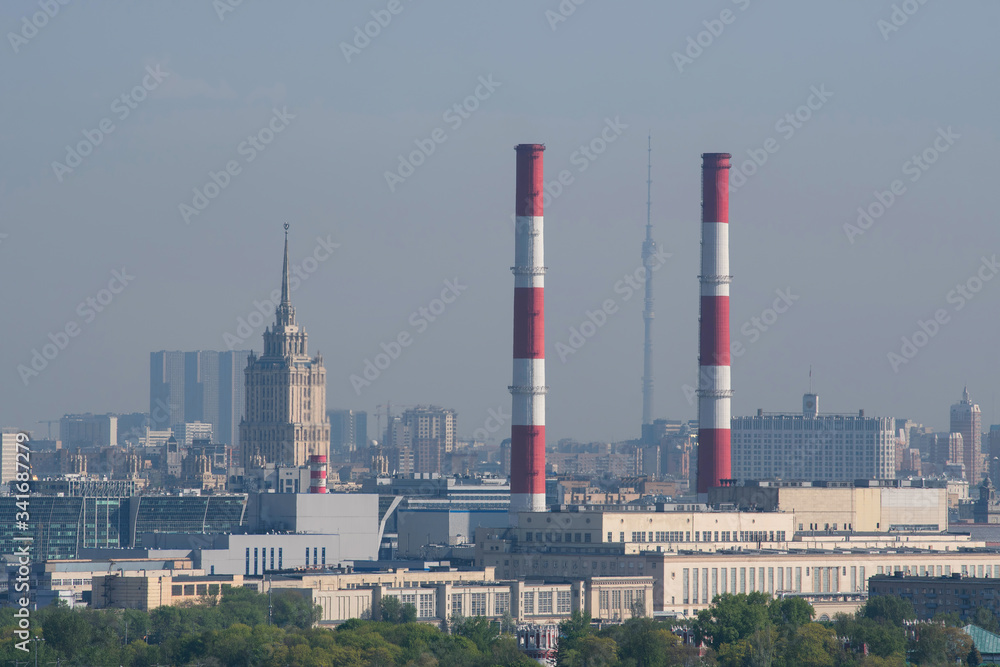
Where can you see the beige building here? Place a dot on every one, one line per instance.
(440, 596)
(149, 591)
(285, 421)
(881, 507)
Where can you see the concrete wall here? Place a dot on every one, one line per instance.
(342, 513)
(418, 528)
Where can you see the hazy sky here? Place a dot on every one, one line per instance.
(309, 114)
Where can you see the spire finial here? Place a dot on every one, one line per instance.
(284, 273)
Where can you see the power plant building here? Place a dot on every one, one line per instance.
(812, 446)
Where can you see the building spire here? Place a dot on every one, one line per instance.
(284, 313)
(284, 273)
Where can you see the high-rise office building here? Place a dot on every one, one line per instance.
(967, 420)
(285, 421)
(348, 430)
(811, 446)
(199, 386)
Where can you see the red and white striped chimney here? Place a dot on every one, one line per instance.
(714, 388)
(317, 473)
(527, 431)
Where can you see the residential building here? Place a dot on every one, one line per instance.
(959, 589)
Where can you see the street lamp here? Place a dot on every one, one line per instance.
(36, 639)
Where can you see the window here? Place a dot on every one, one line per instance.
(478, 606)
(188, 589)
(604, 600)
(616, 599)
(279, 557)
(175, 589)
(426, 609)
(456, 604)
(563, 602)
(545, 602)
(586, 537)
(611, 536)
(529, 603)
(202, 589)
(501, 604)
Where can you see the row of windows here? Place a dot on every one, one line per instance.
(557, 537)
(178, 590)
(616, 599)
(704, 536)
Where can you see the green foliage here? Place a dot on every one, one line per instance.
(394, 611)
(888, 609)
(949, 618)
(733, 618)
(974, 658)
(479, 629)
(985, 619)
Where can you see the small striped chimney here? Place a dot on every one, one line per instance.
(317, 473)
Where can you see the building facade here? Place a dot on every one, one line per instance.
(202, 385)
(348, 430)
(959, 590)
(813, 446)
(432, 436)
(285, 420)
(88, 431)
(966, 419)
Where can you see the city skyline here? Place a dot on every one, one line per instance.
(131, 270)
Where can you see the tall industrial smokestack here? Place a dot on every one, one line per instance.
(648, 253)
(714, 387)
(527, 431)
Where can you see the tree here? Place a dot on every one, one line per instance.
(732, 618)
(762, 647)
(646, 643)
(394, 611)
(293, 609)
(479, 630)
(985, 619)
(791, 613)
(590, 651)
(975, 658)
(882, 639)
(813, 646)
(888, 609)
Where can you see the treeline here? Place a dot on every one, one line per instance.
(236, 632)
(756, 630)
(239, 630)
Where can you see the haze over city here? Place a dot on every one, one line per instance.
(173, 99)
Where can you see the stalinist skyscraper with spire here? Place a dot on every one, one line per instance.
(285, 420)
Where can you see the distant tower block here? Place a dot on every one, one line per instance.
(527, 432)
(714, 382)
(317, 473)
